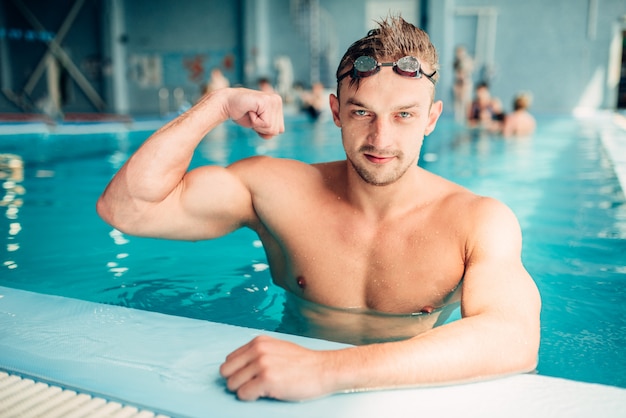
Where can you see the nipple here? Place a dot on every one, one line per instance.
(427, 309)
(301, 282)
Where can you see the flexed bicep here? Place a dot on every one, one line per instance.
(208, 203)
(154, 194)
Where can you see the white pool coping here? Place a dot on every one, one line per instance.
(170, 365)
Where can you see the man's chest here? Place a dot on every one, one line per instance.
(394, 269)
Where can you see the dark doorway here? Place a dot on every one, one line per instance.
(621, 90)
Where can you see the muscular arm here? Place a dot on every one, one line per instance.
(154, 194)
(498, 334)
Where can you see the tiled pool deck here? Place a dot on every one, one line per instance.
(169, 365)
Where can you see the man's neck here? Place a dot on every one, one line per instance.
(382, 202)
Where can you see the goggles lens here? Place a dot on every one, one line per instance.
(365, 66)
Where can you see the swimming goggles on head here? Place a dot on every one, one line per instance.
(365, 66)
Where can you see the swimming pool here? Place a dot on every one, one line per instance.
(560, 183)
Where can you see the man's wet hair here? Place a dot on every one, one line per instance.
(393, 39)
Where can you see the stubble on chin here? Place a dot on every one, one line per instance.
(379, 176)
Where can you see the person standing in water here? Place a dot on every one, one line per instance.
(485, 111)
(520, 122)
(374, 232)
(463, 83)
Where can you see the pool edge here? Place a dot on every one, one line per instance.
(168, 363)
(613, 138)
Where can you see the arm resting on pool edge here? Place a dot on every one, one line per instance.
(497, 336)
(153, 194)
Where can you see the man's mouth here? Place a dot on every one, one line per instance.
(377, 159)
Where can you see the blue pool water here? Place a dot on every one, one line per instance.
(560, 183)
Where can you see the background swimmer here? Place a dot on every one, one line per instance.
(520, 122)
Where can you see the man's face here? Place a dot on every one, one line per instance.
(482, 94)
(383, 123)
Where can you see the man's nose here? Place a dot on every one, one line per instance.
(380, 132)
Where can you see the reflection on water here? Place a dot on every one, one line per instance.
(12, 175)
(246, 298)
(115, 266)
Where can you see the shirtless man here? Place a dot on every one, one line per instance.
(520, 122)
(374, 231)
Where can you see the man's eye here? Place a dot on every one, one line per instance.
(404, 115)
(360, 112)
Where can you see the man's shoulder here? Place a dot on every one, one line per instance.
(488, 215)
(445, 188)
(458, 198)
(282, 171)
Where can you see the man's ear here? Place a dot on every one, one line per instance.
(334, 107)
(433, 116)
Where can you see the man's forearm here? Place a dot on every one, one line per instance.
(466, 350)
(470, 349)
(160, 163)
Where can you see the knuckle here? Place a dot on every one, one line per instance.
(264, 365)
(260, 343)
